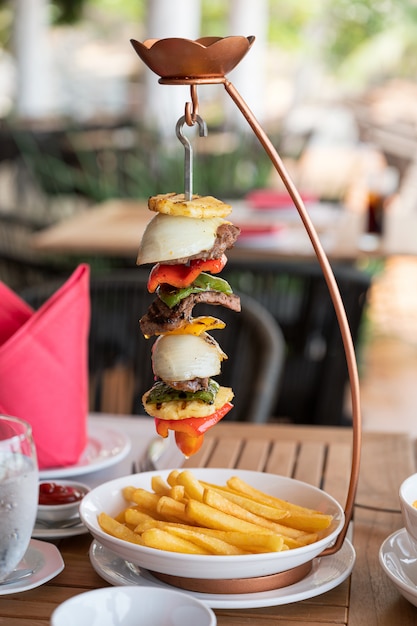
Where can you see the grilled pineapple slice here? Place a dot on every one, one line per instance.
(199, 207)
(180, 409)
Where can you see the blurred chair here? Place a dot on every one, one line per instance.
(120, 357)
(20, 266)
(315, 375)
(18, 272)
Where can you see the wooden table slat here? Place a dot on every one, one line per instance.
(338, 467)
(233, 620)
(310, 463)
(374, 593)
(20, 621)
(387, 461)
(304, 612)
(226, 452)
(254, 454)
(282, 458)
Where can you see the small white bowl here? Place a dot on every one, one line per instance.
(408, 495)
(398, 559)
(108, 498)
(133, 606)
(51, 513)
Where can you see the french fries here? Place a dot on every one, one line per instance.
(164, 540)
(184, 514)
(299, 517)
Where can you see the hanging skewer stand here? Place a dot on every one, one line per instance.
(206, 61)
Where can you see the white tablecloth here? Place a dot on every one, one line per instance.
(140, 431)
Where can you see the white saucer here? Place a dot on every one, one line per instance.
(46, 561)
(327, 572)
(105, 447)
(398, 559)
(40, 532)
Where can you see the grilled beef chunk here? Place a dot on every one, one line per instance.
(189, 385)
(161, 319)
(226, 236)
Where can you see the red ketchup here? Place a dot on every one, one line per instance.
(53, 493)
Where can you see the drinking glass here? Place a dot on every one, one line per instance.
(18, 491)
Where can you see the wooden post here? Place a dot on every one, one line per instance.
(164, 105)
(249, 18)
(34, 82)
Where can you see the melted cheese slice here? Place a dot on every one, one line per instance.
(196, 326)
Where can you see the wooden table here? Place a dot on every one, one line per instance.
(115, 228)
(317, 455)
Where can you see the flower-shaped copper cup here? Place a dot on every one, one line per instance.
(183, 59)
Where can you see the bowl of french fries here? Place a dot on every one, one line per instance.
(212, 523)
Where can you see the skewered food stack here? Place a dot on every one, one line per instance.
(186, 241)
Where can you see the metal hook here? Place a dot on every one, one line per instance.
(191, 108)
(188, 159)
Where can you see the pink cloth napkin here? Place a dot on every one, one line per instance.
(44, 367)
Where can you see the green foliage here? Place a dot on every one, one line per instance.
(214, 18)
(6, 19)
(130, 9)
(66, 11)
(62, 164)
(289, 21)
(352, 23)
(232, 174)
(336, 28)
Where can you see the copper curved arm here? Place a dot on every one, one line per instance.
(337, 303)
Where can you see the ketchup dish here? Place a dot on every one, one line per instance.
(60, 500)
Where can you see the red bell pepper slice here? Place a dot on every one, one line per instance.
(180, 275)
(189, 432)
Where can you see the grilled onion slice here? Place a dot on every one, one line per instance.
(170, 237)
(185, 357)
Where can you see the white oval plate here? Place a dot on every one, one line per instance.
(46, 561)
(39, 532)
(398, 559)
(327, 572)
(105, 447)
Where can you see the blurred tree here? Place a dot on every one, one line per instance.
(350, 23)
(66, 11)
(289, 22)
(214, 20)
(347, 24)
(131, 9)
(364, 39)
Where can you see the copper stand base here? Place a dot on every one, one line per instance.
(237, 585)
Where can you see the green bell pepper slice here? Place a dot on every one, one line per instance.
(204, 282)
(161, 392)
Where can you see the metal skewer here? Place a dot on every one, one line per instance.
(188, 158)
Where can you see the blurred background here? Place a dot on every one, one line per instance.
(333, 82)
(336, 72)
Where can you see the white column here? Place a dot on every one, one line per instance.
(34, 89)
(164, 104)
(246, 18)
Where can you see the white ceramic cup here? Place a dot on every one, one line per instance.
(133, 606)
(408, 495)
(18, 491)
